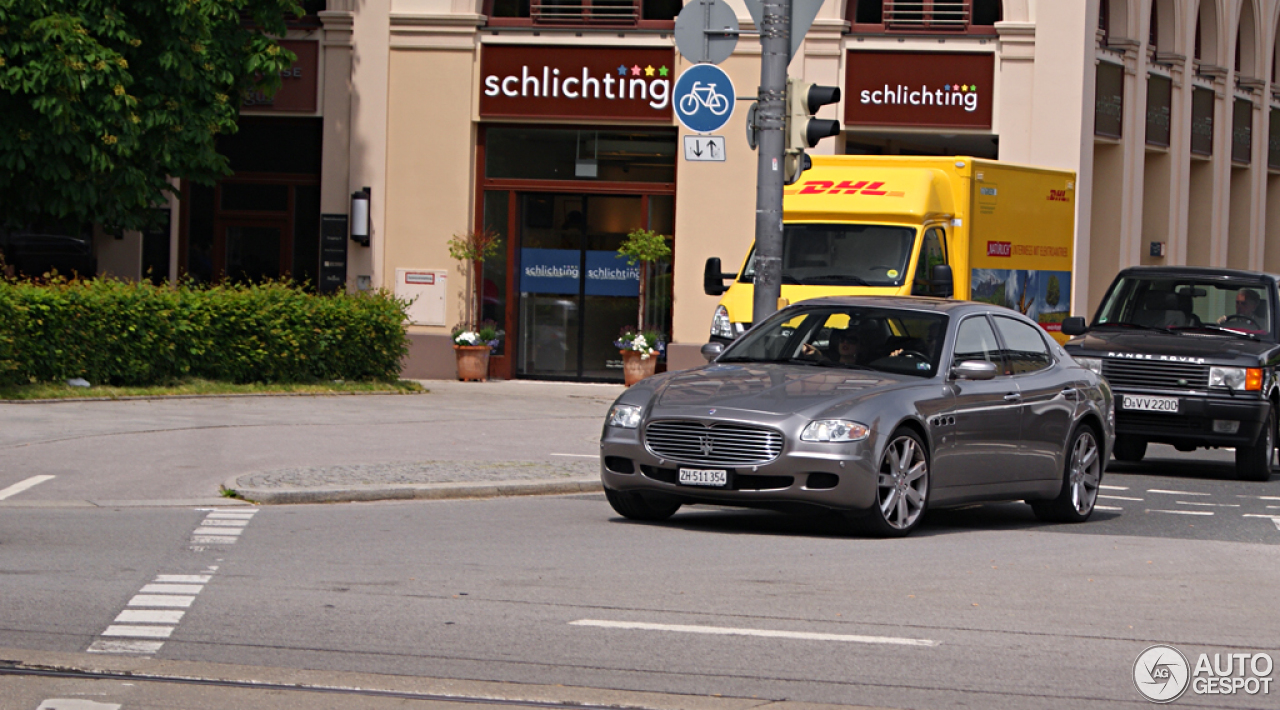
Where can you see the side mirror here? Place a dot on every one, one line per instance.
(713, 278)
(711, 351)
(944, 285)
(1073, 326)
(974, 370)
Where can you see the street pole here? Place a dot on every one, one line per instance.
(775, 45)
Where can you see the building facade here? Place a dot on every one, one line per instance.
(549, 122)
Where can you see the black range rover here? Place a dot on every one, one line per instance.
(1192, 356)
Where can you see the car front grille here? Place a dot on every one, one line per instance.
(712, 445)
(1155, 374)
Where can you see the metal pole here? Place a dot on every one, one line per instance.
(775, 45)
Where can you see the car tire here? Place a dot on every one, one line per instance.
(902, 486)
(634, 506)
(1081, 480)
(1253, 462)
(1129, 448)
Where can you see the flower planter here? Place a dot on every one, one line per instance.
(473, 362)
(635, 367)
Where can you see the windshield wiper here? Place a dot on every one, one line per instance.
(829, 278)
(1138, 325)
(1221, 329)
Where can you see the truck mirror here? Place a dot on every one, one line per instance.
(1073, 326)
(712, 278)
(944, 286)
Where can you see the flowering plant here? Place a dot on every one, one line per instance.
(483, 333)
(645, 342)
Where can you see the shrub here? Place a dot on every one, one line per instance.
(116, 333)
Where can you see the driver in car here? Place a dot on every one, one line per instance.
(1246, 306)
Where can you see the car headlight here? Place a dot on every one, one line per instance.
(626, 416)
(1091, 363)
(1236, 378)
(720, 325)
(834, 430)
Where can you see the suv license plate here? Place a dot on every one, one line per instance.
(1151, 404)
(715, 478)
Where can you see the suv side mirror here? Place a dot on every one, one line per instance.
(944, 285)
(1073, 326)
(713, 278)
(974, 370)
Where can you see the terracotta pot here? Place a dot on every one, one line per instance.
(473, 362)
(635, 368)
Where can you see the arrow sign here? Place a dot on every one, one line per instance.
(803, 13)
(704, 149)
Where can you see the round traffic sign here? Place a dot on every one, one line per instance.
(703, 98)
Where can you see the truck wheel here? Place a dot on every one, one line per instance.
(1129, 448)
(633, 506)
(1080, 481)
(1253, 462)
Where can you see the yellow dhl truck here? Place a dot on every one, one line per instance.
(953, 227)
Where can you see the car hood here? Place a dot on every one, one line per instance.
(773, 390)
(1185, 346)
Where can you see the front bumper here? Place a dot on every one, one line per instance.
(1194, 421)
(840, 477)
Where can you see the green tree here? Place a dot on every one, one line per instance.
(643, 246)
(1053, 291)
(101, 101)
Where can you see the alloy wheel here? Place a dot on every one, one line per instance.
(903, 483)
(1086, 473)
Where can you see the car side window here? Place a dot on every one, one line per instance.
(1024, 347)
(976, 341)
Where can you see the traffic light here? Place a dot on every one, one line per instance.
(802, 129)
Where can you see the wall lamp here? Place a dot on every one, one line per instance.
(360, 216)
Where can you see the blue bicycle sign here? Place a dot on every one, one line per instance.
(703, 98)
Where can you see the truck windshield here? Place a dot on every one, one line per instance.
(842, 255)
(1180, 303)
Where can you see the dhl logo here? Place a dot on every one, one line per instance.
(827, 187)
(1058, 196)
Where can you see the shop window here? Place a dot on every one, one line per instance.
(929, 16)
(583, 13)
(617, 155)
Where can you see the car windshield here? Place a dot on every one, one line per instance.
(1185, 303)
(842, 255)
(884, 339)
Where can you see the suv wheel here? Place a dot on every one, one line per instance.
(1253, 462)
(1129, 448)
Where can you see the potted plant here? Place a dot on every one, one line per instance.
(472, 347)
(641, 346)
(472, 342)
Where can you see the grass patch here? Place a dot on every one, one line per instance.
(204, 387)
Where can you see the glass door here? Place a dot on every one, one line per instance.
(576, 294)
(251, 250)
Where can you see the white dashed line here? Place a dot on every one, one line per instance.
(143, 632)
(1118, 497)
(21, 486)
(149, 616)
(75, 704)
(1181, 512)
(1114, 488)
(1216, 505)
(217, 531)
(1274, 518)
(221, 527)
(764, 633)
(161, 600)
(192, 589)
(221, 523)
(183, 578)
(1177, 493)
(1106, 507)
(1259, 497)
(133, 648)
(578, 456)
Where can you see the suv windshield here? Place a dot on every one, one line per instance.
(884, 339)
(842, 255)
(1184, 302)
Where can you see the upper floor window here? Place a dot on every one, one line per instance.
(656, 14)
(929, 16)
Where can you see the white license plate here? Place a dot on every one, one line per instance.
(1151, 404)
(715, 478)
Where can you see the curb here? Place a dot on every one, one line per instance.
(421, 491)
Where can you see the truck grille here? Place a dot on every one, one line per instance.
(713, 445)
(1146, 374)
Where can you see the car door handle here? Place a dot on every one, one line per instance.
(1012, 397)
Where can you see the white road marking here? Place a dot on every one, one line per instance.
(183, 578)
(231, 516)
(1114, 488)
(219, 523)
(765, 633)
(75, 704)
(1216, 505)
(1272, 507)
(149, 616)
(144, 648)
(1118, 497)
(1177, 493)
(579, 456)
(1257, 515)
(217, 531)
(161, 600)
(21, 486)
(1106, 507)
(142, 632)
(207, 540)
(192, 589)
(1182, 512)
(1259, 497)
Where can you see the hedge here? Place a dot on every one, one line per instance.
(125, 334)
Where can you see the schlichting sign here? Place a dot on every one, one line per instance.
(576, 82)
